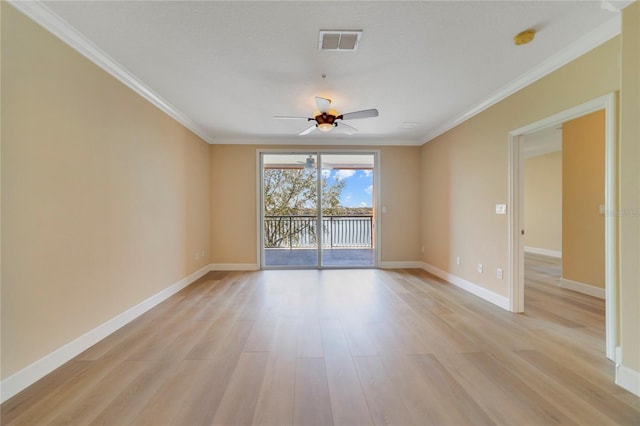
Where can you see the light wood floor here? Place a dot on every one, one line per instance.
(342, 347)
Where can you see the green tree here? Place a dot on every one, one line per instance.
(293, 192)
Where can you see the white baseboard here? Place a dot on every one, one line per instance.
(235, 267)
(628, 378)
(543, 252)
(618, 355)
(400, 265)
(475, 289)
(37, 370)
(587, 289)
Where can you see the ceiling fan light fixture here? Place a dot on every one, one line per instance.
(325, 127)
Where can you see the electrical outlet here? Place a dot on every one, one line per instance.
(423, 249)
(499, 273)
(480, 267)
(458, 260)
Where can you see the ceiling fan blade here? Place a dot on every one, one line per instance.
(328, 166)
(286, 117)
(309, 130)
(323, 104)
(349, 130)
(367, 113)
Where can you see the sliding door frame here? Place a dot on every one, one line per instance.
(319, 152)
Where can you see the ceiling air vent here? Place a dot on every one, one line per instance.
(339, 40)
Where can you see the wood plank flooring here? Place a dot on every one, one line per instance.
(348, 347)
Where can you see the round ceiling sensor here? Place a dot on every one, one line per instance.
(524, 37)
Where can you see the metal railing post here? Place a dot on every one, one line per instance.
(331, 231)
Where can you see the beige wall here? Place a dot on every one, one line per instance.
(105, 199)
(233, 204)
(86, 164)
(436, 200)
(1, 357)
(582, 195)
(543, 201)
(630, 189)
(234, 197)
(465, 170)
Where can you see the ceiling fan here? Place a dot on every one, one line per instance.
(326, 118)
(310, 163)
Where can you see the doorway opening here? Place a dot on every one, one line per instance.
(317, 209)
(516, 201)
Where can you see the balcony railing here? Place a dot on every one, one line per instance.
(300, 231)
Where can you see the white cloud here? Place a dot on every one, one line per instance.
(366, 173)
(344, 174)
(369, 189)
(326, 173)
(363, 204)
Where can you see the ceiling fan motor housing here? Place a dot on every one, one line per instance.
(325, 118)
(325, 121)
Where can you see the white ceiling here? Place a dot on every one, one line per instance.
(543, 141)
(226, 68)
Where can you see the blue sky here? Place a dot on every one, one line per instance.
(359, 187)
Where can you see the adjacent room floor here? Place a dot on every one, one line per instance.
(350, 347)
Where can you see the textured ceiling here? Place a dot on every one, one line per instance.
(229, 67)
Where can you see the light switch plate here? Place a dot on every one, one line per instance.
(501, 209)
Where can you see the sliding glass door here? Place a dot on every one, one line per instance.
(290, 210)
(347, 210)
(317, 210)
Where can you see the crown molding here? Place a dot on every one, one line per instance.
(45, 17)
(615, 5)
(311, 141)
(590, 41)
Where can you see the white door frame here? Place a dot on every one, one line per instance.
(376, 197)
(516, 214)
